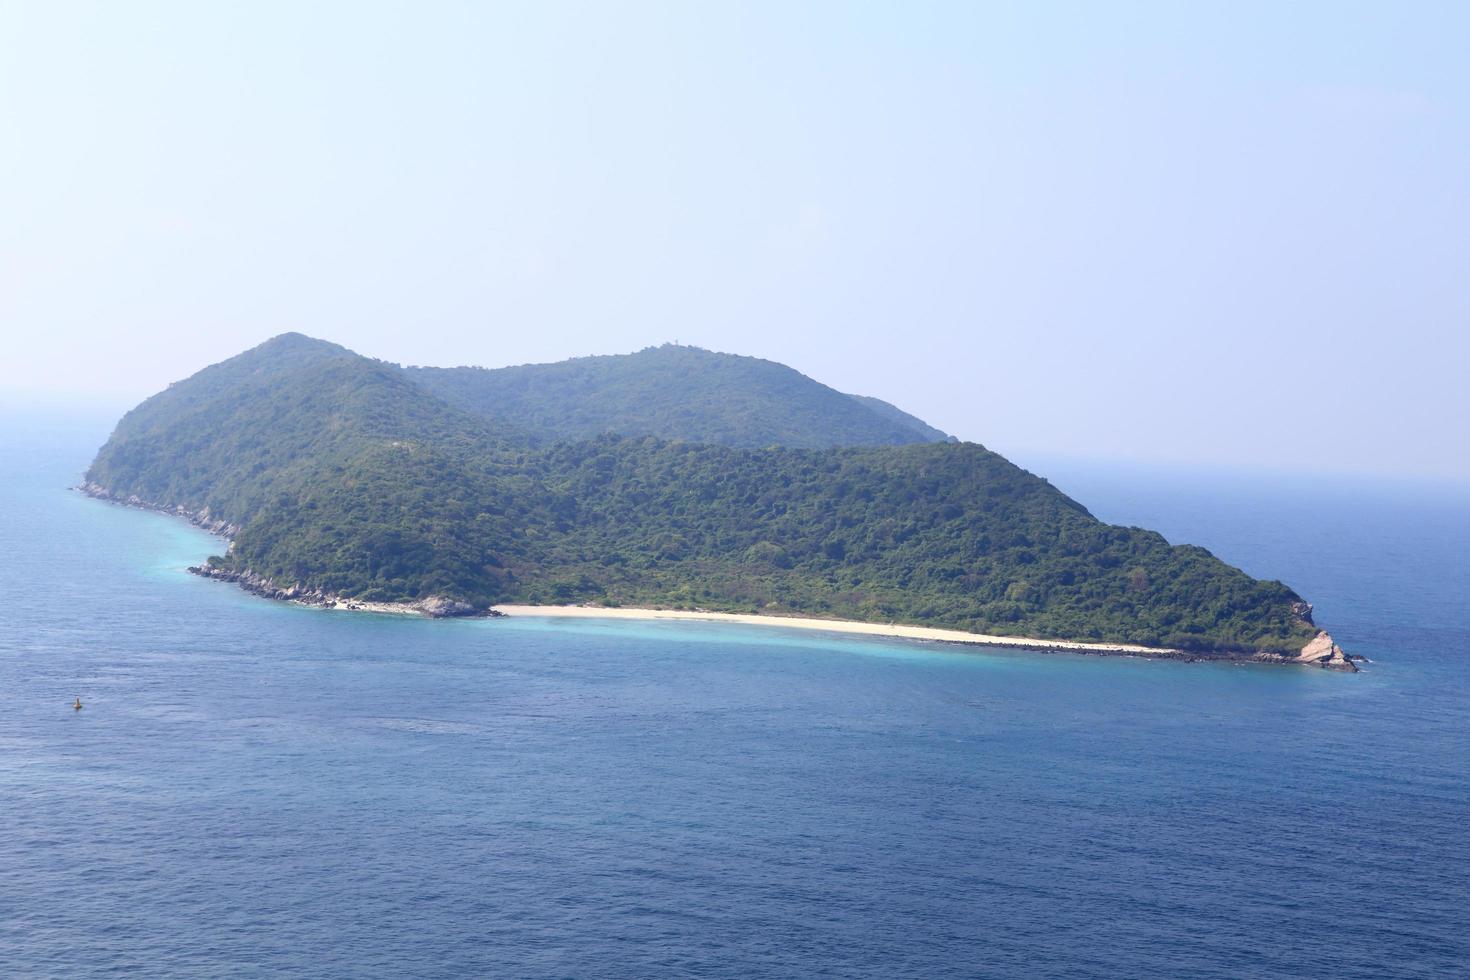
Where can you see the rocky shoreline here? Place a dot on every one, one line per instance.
(435, 607)
(201, 519)
(1322, 651)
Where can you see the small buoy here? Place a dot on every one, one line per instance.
(78, 705)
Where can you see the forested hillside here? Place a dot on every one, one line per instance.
(346, 476)
(677, 393)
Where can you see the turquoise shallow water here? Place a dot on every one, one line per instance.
(260, 789)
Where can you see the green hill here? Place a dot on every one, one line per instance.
(676, 393)
(345, 475)
(270, 421)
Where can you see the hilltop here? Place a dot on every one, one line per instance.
(677, 393)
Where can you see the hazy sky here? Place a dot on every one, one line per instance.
(1224, 233)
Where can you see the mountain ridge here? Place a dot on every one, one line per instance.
(675, 392)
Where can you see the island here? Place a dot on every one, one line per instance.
(673, 480)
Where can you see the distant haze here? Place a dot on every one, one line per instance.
(1232, 234)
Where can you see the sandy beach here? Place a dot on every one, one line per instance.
(839, 626)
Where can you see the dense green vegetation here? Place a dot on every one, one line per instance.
(268, 422)
(676, 393)
(348, 477)
(924, 431)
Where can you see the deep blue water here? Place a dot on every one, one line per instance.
(259, 789)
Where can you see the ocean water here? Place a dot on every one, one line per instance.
(256, 789)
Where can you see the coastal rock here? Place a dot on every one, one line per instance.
(439, 606)
(200, 518)
(1321, 651)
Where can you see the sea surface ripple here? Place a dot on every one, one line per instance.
(258, 789)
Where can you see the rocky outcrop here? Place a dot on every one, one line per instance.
(435, 606)
(439, 606)
(199, 518)
(1321, 651)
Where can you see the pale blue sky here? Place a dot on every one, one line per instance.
(1223, 233)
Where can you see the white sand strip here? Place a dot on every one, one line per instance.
(835, 626)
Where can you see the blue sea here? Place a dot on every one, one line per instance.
(258, 789)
